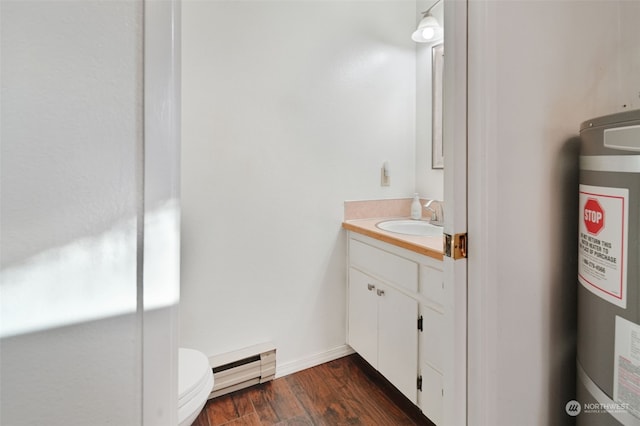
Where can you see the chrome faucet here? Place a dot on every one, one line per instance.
(437, 212)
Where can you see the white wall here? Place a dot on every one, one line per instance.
(429, 182)
(537, 70)
(73, 277)
(69, 213)
(289, 108)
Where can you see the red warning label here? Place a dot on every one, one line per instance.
(602, 242)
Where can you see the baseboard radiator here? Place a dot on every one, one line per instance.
(242, 368)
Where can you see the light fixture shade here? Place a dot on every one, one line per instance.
(429, 30)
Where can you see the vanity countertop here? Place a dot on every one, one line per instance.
(428, 246)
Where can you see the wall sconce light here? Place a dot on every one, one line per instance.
(429, 30)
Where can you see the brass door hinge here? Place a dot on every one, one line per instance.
(455, 246)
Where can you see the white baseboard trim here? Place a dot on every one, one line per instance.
(311, 361)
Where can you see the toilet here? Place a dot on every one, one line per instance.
(195, 382)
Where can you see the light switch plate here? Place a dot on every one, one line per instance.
(384, 180)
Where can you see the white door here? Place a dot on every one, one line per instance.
(455, 197)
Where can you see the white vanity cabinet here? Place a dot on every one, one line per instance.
(393, 293)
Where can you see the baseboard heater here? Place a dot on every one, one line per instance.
(239, 369)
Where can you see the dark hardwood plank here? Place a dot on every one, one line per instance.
(243, 403)
(261, 397)
(346, 391)
(313, 395)
(274, 402)
(363, 397)
(296, 421)
(248, 420)
(202, 419)
(228, 408)
(384, 386)
(284, 403)
(324, 405)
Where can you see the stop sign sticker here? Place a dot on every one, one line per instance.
(602, 242)
(593, 216)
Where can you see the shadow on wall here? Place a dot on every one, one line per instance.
(71, 328)
(93, 277)
(563, 301)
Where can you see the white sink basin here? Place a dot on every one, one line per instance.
(411, 227)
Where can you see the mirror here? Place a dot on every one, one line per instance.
(437, 68)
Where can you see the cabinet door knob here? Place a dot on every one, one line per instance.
(370, 287)
(380, 292)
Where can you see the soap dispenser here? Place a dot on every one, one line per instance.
(416, 208)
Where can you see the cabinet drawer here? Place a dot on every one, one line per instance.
(385, 265)
(431, 396)
(432, 284)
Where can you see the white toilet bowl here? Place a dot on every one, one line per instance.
(195, 382)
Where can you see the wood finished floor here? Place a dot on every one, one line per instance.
(346, 391)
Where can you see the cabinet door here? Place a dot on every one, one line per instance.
(432, 338)
(398, 340)
(363, 316)
(431, 397)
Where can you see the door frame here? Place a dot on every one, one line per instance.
(483, 294)
(159, 156)
(455, 196)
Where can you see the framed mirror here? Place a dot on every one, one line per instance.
(437, 68)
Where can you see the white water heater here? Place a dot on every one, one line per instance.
(608, 364)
